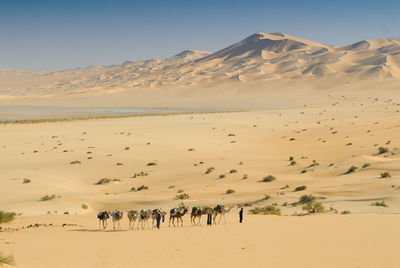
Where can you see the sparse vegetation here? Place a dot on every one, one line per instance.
(84, 206)
(232, 171)
(9, 260)
(313, 207)
(48, 197)
(209, 170)
(385, 175)
(75, 162)
(230, 191)
(351, 170)
(182, 196)
(382, 150)
(6, 216)
(267, 210)
(379, 204)
(269, 178)
(103, 181)
(221, 176)
(365, 165)
(346, 212)
(26, 180)
(300, 188)
(152, 164)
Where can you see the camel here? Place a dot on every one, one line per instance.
(116, 218)
(144, 217)
(154, 216)
(133, 215)
(178, 214)
(221, 211)
(196, 213)
(103, 217)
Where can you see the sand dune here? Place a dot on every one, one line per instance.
(260, 57)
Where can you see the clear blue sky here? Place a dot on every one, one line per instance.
(55, 35)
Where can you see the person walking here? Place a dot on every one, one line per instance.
(241, 215)
(209, 217)
(158, 217)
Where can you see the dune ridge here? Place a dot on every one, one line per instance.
(260, 57)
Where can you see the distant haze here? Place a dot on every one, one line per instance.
(55, 35)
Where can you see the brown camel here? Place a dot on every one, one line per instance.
(221, 211)
(133, 215)
(103, 217)
(177, 213)
(116, 218)
(154, 216)
(197, 212)
(144, 217)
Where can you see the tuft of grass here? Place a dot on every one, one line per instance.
(103, 181)
(382, 150)
(66, 212)
(26, 180)
(182, 196)
(385, 175)
(306, 199)
(300, 188)
(313, 207)
(379, 204)
(75, 162)
(6, 216)
(351, 170)
(230, 191)
(303, 171)
(140, 188)
(84, 206)
(232, 171)
(48, 197)
(119, 164)
(269, 178)
(127, 148)
(346, 212)
(9, 260)
(221, 176)
(152, 164)
(267, 210)
(365, 165)
(293, 163)
(209, 170)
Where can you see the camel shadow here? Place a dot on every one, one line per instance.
(96, 231)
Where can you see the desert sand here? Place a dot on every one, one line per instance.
(344, 130)
(328, 108)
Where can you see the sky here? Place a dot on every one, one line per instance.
(56, 35)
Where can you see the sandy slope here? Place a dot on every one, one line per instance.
(336, 127)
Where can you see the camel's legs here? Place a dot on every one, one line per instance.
(181, 221)
(104, 224)
(199, 220)
(224, 218)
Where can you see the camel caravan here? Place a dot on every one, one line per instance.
(142, 218)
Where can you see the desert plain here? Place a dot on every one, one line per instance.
(333, 137)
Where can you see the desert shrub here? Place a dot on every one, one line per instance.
(244, 177)
(182, 196)
(267, 210)
(221, 176)
(269, 178)
(47, 197)
(119, 164)
(232, 171)
(209, 170)
(291, 158)
(365, 165)
(230, 191)
(140, 188)
(152, 164)
(313, 207)
(300, 188)
(385, 175)
(84, 206)
(351, 170)
(103, 181)
(306, 199)
(382, 150)
(9, 260)
(303, 171)
(26, 180)
(346, 212)
(379, 204)
(267, 196)
(6, 216)
(180, 191)
(127, 148)
(66, 212)
(75, 162)
(191, 149)
(293, 163)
